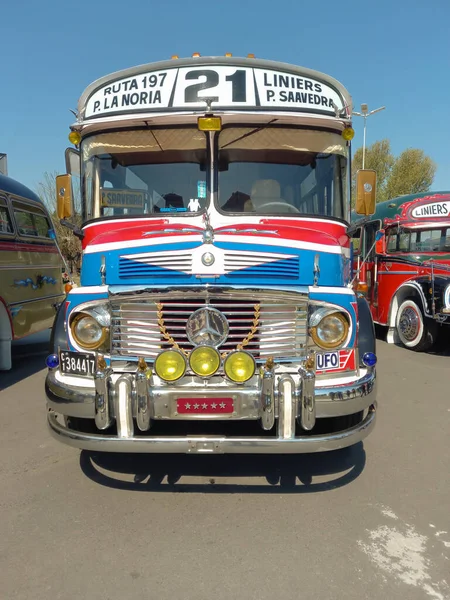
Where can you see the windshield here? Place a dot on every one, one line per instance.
(145, 172)
(278, 170)
(422, 240)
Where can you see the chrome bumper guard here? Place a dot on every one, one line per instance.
(131, 400)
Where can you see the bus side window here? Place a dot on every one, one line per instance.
(356, 242)
(42, 226)
(5, 219)
(392, 241)
(370, 231)
(31, 220)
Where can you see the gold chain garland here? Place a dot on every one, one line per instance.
(166, 335)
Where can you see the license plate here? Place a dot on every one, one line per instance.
(74, 363)
(205, 406)
(341, 360)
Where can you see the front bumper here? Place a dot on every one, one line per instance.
(285, 404)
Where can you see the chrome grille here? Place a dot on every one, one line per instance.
(281, 330)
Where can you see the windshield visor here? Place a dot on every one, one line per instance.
(282, 171)
(145, 172)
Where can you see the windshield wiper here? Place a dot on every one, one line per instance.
(248, 134)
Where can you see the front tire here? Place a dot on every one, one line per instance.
(413, 330)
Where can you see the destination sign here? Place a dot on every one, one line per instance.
(188, 88)
(122, 198)
(434, 209)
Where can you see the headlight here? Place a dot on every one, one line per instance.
(239, 366)
(170, 365)
(329, 331)
(87, 331)
(204, 361)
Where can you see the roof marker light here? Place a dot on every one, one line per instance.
(75, 138)
(196, 55)
(250, 56)
(228, 54)
(174, 56)
(348, 133)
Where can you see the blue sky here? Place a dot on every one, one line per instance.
(387, 52)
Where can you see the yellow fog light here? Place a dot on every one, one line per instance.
(204, 361)
(348, 134)
(209, 123)
(74, 138)
(330, 331)
(239, 366)
(170, 365)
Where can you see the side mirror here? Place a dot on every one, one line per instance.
(64, 196)
(380, 242)
(366, 191)
(73, 162)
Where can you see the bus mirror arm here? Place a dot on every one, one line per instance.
(75, 230)
(379, 236)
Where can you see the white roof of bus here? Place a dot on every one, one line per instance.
(219, 61)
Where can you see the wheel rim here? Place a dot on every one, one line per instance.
(409, 324)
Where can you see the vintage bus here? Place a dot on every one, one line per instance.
(215, 311)
(31, 285)
(406, 270)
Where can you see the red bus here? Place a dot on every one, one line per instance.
(402, 260)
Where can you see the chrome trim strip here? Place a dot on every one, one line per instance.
(61, 295)
(208, 444)
(397, 272)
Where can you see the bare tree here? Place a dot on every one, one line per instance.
(69, 244)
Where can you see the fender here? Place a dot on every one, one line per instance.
(8, 312)
(415, 285)
(6, 336)
(58, 337)
(366, 333)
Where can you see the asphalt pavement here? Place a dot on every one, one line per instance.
(369, 523)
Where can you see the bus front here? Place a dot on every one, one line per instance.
(215, 311)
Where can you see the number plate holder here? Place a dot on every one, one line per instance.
(76, 363)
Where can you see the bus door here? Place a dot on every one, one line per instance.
(369, 272)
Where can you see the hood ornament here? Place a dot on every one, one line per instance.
(208, 234)
(207, 326)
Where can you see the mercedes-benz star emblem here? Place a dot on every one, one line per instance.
(207, 326)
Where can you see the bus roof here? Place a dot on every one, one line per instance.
(11, 186)
(406, 209)
(231, 83)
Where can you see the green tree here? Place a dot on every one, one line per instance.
(413, 172)
(69, 244)
(379, 158)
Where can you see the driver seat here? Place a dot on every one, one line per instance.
(263, 192)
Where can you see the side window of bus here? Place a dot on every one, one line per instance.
(391, 245)
(31, 221)
(370, 231)
(5, 218)
(356, 242)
